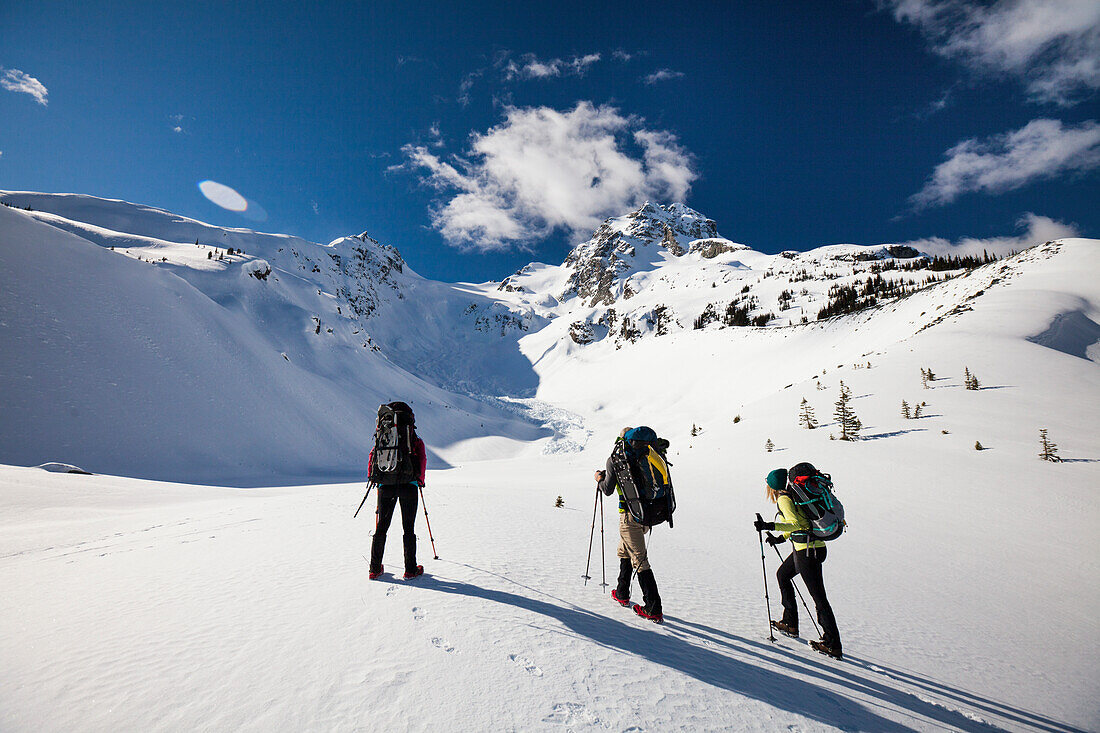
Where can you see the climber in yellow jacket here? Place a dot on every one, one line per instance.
(806, 560)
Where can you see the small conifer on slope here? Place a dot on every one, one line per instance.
(845, 416)
(806, 415)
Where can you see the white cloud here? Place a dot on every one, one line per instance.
(177, 129)
(542, 170)
(621, 55)
(662, 75)
(316, 207)
(530, 66)
(15, 80)
(1052, 45)
(1041, 149)
(1037, 229)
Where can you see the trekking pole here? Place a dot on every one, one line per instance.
(603, 547)
(591, 534)
(777, 552)
(425, 505)
(369, 487)
(764, 570)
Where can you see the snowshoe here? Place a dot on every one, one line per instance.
(415, 573)
(374, 574)
(785, 629)
(656, 618)
(832, 651)
(621, 600)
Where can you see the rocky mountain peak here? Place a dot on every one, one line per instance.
(614, 247)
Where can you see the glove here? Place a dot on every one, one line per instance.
(774, 540)
(760, 525)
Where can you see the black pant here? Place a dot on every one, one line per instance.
(807, 563)
(388, 496)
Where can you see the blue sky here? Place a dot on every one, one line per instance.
(477, 137)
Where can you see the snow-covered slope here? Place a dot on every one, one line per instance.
(963, 594)
(231, 369)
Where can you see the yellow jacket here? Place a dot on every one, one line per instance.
(793, 521)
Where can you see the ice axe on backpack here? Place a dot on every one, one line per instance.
(369, 487)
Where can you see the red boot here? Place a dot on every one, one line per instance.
(655, 616)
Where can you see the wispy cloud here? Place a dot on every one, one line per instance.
(542, 170)
(15, 80)
(662, 75)
(1053, 46)
(1037, 229)
(435, 136)
(467, 85)
(529, 66)
(620, 55)
(1041, 149)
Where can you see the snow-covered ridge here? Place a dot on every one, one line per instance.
(353, 314)
(162, 357)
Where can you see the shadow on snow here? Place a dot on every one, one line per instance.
(678, 650)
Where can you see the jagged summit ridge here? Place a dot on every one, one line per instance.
(626, 243)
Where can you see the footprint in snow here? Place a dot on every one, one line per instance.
(418, 613)
(526, 664)
(440, 644)
(565, 713)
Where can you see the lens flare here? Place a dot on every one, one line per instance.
(223, 196)
(254, 212)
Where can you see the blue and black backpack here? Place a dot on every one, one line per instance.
(643, 476)
(812, 492)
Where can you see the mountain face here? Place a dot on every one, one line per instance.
(624, 244)
(326, 332)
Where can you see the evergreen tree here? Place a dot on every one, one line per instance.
(969, 380)
(917, 411)
(560, 502)
(978, 445)
(845, 416)
(924, 377)
(806, 415)
(905, 410)
(694, 430)
(769, 446)
(1050, 450)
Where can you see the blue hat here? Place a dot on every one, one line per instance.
(641, 433)
(777, 479)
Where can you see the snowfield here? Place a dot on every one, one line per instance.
(964, 590)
